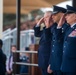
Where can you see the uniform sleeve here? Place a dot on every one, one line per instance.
(37, 31)
(47, 32)
(60, 32)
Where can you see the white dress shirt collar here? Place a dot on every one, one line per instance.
(73, 25)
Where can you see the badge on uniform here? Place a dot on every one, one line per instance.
(73, 33)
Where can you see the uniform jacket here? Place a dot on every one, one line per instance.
(24, 68)
(56, 48)
(69, 50)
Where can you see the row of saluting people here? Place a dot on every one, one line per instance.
(57, 49)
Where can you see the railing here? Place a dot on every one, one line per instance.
(20, 63)
(10, 38)
(26, 38)
(28, 64)
(25, 52)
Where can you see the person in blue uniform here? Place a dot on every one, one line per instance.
(2, 60)
(57, 41)
(44, 45)
(24, 69)
(68, 66)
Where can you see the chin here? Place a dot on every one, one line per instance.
(54, 21)
(68, 22)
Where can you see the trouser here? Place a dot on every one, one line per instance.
(9, 74)
(69, 73)
(57, 72)
(44, 72)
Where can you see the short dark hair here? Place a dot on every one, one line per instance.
(26, 48)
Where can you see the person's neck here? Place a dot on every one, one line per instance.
(72, 23)
(57, 22)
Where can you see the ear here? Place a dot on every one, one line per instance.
(75, 16)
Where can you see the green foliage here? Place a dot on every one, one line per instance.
(8, 18)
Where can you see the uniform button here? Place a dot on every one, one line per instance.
(63, 51)
(62, 28)
(52, 50)
(53, 45)
(64, 46)
(62, 31)
(53, 40)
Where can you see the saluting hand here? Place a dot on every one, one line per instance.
(40, 21)
(48, 21)
(62, 21)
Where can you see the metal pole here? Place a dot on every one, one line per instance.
(74, 3)
(18, 23)
(16, 55)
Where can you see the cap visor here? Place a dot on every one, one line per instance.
(69, 12)
(54, 12)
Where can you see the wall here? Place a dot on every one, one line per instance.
(1, 17)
